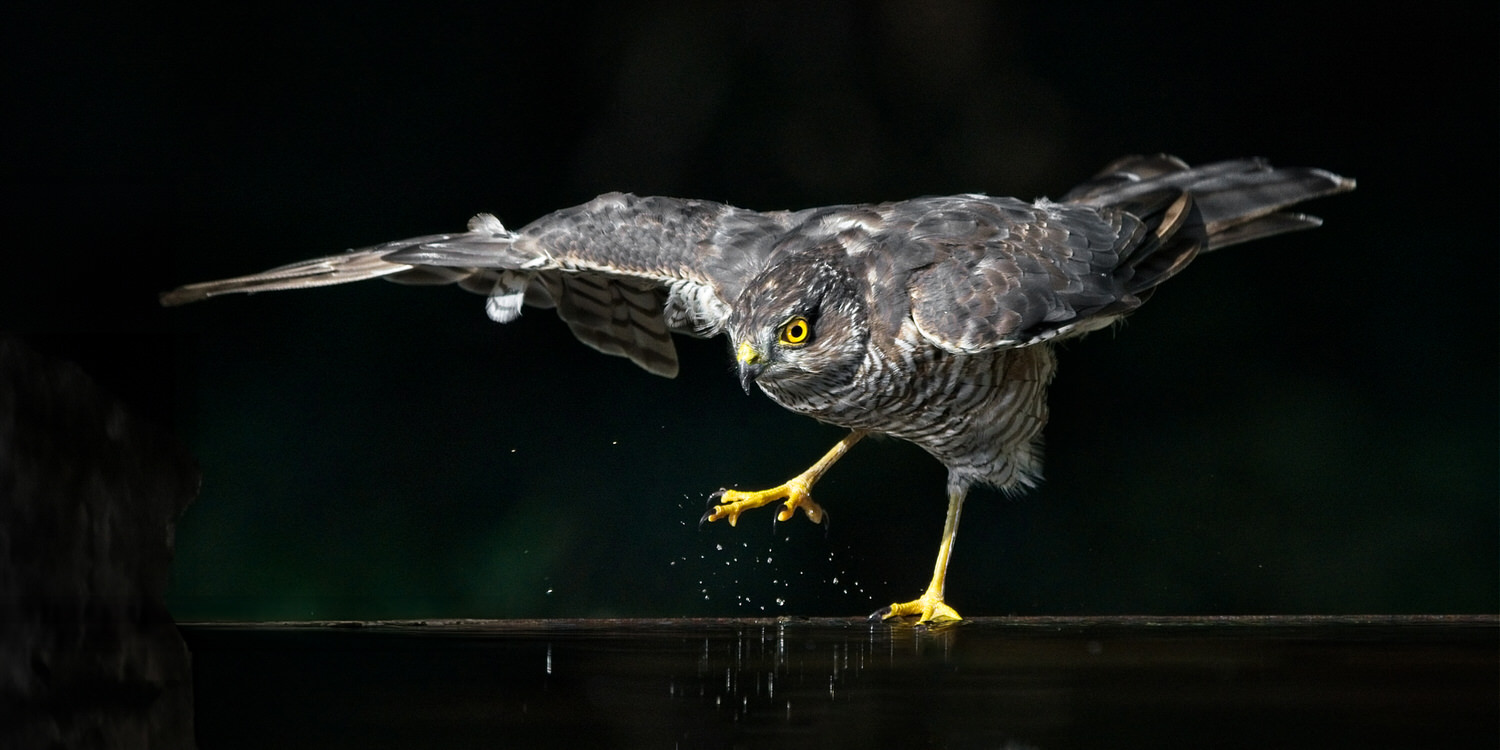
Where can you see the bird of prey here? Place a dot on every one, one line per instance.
(930, 320)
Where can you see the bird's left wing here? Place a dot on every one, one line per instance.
(624, 272)
(1011, 273)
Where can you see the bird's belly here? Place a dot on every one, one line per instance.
(980, 415)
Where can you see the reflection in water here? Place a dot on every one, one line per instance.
(1006, 683)
(740, 674)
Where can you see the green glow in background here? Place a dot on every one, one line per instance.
(1301, 425)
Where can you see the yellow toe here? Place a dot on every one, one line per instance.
(928, 608)
(729, 504)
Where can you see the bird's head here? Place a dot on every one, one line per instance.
(800, 326)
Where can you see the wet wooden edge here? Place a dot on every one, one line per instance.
(1135, 622)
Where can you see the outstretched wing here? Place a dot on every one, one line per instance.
(1011, 273)
(624, 272)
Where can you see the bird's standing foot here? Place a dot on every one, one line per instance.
(929, 607)
(731, 503)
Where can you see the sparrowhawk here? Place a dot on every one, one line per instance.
(931, 320)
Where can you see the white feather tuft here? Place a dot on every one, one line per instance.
(487, 223)
(504, 302)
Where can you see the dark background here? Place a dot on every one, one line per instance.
(1302, 425)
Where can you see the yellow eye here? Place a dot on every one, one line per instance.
(794, 332)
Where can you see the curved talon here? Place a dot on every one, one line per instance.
(713, 502)
(822, 521)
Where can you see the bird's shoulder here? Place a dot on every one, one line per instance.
(981, 272)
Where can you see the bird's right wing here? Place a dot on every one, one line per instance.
(624, 272)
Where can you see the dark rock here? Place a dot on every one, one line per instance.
(89, 499)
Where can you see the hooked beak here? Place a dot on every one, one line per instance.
(751, 362)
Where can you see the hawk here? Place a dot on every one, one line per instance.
(930, 320)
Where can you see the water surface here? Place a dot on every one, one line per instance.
(985, 683)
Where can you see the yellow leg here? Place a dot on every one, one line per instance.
(930, 606)
(796, 491)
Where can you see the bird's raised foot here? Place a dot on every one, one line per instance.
(927, 608)
(729, 504)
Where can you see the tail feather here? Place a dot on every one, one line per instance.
(1238, 200)
(1176, 237)
(1264, 226)
(1241, 207)
(1125, 171)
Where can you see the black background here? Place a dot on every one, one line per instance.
(1302, 425)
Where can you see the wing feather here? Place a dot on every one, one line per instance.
(624, 272)
(1012, 273)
